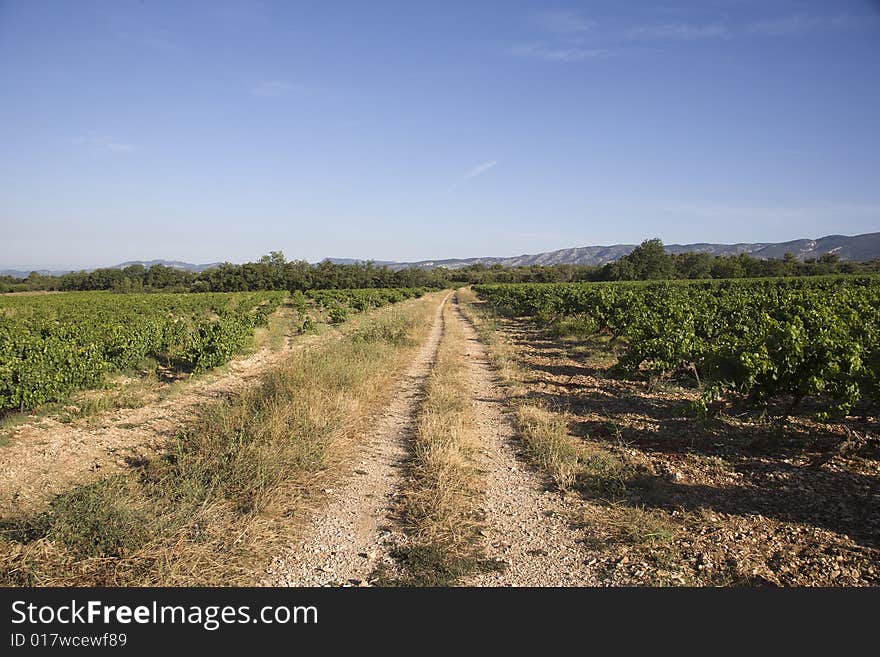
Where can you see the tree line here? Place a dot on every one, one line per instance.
(649, 261)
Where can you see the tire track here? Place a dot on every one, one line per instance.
(356, 531)
(526, 526)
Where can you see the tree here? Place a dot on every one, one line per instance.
(727, 267)
(650, 261)
(694, 265)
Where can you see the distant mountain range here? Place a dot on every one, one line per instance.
(177, 264)
(858, 248)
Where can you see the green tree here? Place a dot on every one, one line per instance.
(650, 261)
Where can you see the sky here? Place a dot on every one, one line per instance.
(219, 131)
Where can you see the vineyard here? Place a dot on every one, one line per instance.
(51, 345)
(762, 340)
(597, 434)
(338, 302)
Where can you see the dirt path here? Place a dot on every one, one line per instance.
(47, 457)
(354, 533)
(527, 526)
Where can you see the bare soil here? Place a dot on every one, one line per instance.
(528, 526)
(735, 500)
(44, 457)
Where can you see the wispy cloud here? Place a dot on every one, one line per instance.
(103, 144)
(800, 24)
(271, 88)
(118, 147)
(480, 169)
(677, 31)
(563, 38)
(564, 22)
(556, 53)
(569, 37)
(576, 40)
(472, 173)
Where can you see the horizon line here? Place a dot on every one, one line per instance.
(412, 262)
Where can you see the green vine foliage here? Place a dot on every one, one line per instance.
(51, 345)
(761, 339)
(338, 303)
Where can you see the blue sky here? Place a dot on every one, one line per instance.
(207, 131)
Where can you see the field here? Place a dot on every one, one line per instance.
(763, 340)
(711, 433)
(51, 345)
(669, 433)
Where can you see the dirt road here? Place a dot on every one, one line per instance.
(354, 533)
(525, 525)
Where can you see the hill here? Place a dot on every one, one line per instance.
(858, 248)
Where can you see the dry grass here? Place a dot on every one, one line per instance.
(545, 437)
(543, 432)
(440, 506)
(502, 353)
(121, 392)
(283, 324)
(125, 393)
(570, 464)
(213, 508)
(636, 525)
